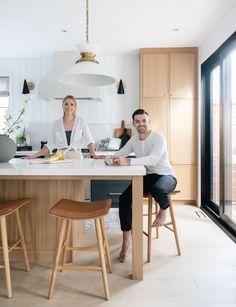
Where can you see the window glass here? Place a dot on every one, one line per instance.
(4, 99)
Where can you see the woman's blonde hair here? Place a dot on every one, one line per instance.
(69, 97)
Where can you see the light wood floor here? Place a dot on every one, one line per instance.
(204, 276)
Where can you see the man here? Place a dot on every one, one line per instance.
(150, 150)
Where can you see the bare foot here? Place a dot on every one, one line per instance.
(125, 245)
(161, 218)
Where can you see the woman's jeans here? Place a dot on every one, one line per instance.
(158, 185)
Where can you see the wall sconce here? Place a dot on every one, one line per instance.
(120, 88)
(27, 87)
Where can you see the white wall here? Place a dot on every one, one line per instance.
(224, 29)
(111, 111)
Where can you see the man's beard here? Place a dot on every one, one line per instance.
(142, 129)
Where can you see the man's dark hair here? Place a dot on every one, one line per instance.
(139, 112)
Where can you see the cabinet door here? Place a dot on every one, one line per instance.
(186, 182)
(155, 75)
(157, 109)
(183, 75)
(183, 131)
(103, 189)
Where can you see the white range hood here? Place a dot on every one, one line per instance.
(50, 88)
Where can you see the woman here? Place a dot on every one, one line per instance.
(70, 130)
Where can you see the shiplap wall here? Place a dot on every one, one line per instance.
(112, 110)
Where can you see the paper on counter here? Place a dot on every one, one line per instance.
(45, 161)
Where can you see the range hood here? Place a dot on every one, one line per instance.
(50, 88)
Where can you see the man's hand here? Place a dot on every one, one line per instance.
(121, 161)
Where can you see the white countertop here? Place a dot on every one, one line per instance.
(26, 153)
(84, 167)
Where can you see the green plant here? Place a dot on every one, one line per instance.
(13, 125)
(21, 138)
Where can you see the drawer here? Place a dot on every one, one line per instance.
(102, 189)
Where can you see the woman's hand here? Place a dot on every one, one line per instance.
(29, 157)
(95, 156)
(41, 152)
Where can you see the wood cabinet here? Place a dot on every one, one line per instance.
(169, 94)
(155, 75)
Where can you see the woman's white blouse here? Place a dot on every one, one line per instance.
(80, 135)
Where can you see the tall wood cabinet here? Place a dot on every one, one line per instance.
(169, 94)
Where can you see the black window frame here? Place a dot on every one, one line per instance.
(210, 208)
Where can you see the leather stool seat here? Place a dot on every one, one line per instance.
(71, 209)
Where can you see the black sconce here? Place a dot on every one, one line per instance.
(120, 88)
(27, 87)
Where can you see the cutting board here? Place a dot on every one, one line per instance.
(46, 161)
(119, 132)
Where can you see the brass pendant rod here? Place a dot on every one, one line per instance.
(87, 21)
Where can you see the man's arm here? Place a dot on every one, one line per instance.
(126, 150)
(154, 155)
(120, 156)
(121, 161)
(152, 158)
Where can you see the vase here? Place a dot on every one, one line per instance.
(7, 148)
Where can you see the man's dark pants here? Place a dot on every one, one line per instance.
(158, 185)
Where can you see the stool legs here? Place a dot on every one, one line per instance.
(149, 233)
(102, 256)
(106, 246)
(149, 247)
(22, 240)
(156, 214)
(62, 248)
(174, 227)
(57, 258)
(66, 244)
(6, 255)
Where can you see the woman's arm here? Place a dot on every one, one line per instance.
(39, 153)
(92, 151)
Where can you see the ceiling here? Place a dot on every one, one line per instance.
(36, 28)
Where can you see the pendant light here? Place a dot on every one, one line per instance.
(86, 71)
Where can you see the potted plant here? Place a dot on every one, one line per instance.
(21, 138)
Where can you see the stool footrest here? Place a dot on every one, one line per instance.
(82, 248)
(81, 267)
(14, 246)
(166, 226)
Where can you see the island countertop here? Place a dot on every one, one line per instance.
(84, 167)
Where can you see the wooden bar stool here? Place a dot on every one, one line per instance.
(69, 210)
(7, 208)
(150, 213)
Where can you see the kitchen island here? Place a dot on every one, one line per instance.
(45, 184)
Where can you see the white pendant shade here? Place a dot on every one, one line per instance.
(86, 72)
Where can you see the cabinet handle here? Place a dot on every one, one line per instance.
(114, 193)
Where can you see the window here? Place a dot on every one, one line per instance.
(4, 99)
(218, 168)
